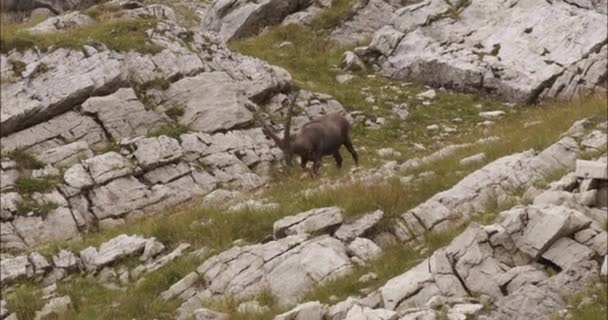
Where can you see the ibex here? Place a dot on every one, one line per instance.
(320, 137)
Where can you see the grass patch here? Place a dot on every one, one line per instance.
(589, 304)
(173, 130)
(102, 11)
(159, 83)
(332, 17)
(25, 160)
(42, 208)
(117, 34)
(229, 305)
(25, 301)
(174, 112)
(26, 185)
(139, 300)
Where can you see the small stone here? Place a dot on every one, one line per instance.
(478, 158)
(344, 78)
(604, 270)
(152, 249)
(429, 94)
(432, 127)
(65, 259)
(368, 277)
(364, 249)
(492, 115)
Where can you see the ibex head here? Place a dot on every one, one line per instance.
(285, 144)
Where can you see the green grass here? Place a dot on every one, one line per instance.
(42, 208)
(25, 300)
(174, 113)
(139, 300)
(334, 16)
(117, 34)
(27, 185)
(25, 160)
(587, 304)
(173, 130)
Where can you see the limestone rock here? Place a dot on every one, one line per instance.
(72, 78)
(121, 246)
(533, 59)
(57, 225)
(241, 18)
(65, 259)
(108, 166)
(566, 252)
(153, 152)
(287, 267)
(78, 177)
(211, 101)
(152, 248)
(14, 268)
(306, 311)
(312, 221)
(39, 262)
(66, 155)
(591, 170)
(348, 232)
(364, 249)
(122, 114)
(122, 196)
(351, 62)
(206, 314)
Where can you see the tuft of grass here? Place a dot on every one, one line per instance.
(25, 160)
(174, 112)
(138, 301)
(590, 304)
(102, 11)
(18, 67)
(173, 130)
(28, 205)
(159, 83)
(117, 34)
(25, 301)
(26, 185)
(330, 18)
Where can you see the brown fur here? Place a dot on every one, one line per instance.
(322, 137)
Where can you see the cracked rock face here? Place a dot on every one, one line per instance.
(232, 19)
(288, 267)
(512, 49)
(472, 193)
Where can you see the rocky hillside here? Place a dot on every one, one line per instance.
(137, 182)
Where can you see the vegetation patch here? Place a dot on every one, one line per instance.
(173, 130)
(28, 204)
(117, 34)
(25, 160)
(28, 185)
(175, 112)
(25, 300)
(140, 300)
(159, 83)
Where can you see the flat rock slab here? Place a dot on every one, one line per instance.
(122, 114)
(512, 49)
(211, 101)
(74, 77)
(591, 170)
(57, 225)
(348, 232)
(14, 268)
(288, 267)
(241, 18)
(312, 221)
(121, 246)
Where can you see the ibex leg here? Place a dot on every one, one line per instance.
(338, 158)
(349, 146)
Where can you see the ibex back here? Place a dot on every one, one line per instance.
(317, 138)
